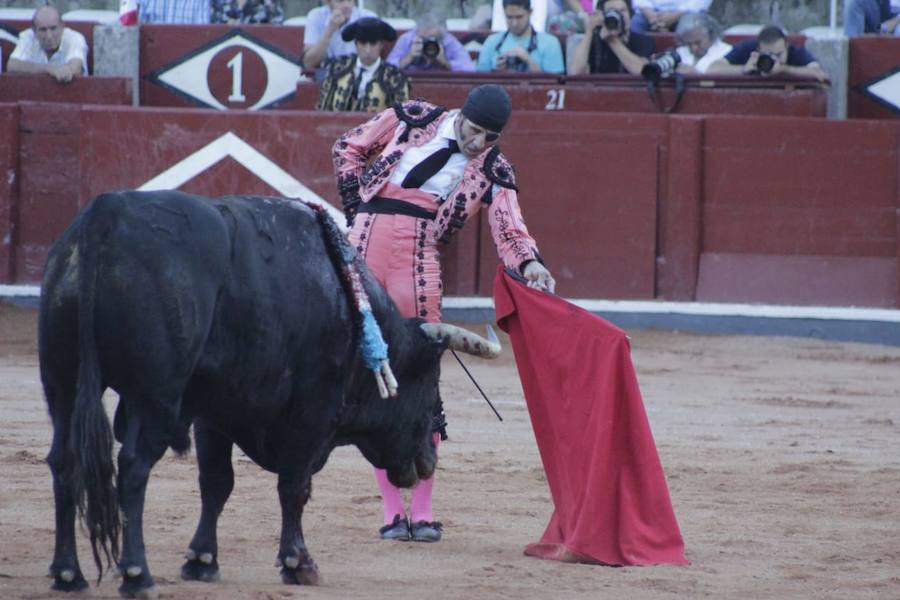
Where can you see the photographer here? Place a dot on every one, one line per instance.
(700, 42)
(608, 45)
(520, 48)
(430, 47)
(768, 55)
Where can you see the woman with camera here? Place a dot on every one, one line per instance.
(520, 48)
(430, 47)
(608, 45)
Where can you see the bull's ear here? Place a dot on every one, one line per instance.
(464, 340)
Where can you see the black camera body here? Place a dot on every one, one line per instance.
(514, 63)
(661, 65)
(431, 47)
(765, 63)
(614, 20)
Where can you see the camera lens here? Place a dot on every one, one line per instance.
(765, 63)
(612, 20)
(431, 47)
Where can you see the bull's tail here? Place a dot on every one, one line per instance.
(91, 436)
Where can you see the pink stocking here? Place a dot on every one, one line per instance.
(420, 501)
(392, 501)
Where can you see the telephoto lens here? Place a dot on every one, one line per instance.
(661, 65)
(765, 63)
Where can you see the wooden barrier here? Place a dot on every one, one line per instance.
(9, 201)
(762, 209)
(40, 87)
(873, 59)
(620, 93)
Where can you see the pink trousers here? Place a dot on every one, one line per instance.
(400, 256)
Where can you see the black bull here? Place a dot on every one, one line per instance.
(233, 315)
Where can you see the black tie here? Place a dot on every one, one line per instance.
(429, 167)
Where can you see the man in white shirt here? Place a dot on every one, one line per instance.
(49, 47)
(700, 42)
(322, 34)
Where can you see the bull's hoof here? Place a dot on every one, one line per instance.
(305, 574)
(197, 569)
(67, 580)
(137, 583)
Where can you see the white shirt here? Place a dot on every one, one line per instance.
(71, 45)
(364, 75)
(317, 24)
(718, 50)
(441, 183)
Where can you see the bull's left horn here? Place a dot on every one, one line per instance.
(464, 340)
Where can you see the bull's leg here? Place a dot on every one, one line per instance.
(216, 483)
(64, 569)
(297, 567)
(143, 445)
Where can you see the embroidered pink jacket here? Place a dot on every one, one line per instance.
(366, 156)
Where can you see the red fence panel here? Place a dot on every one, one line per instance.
(39, 87)
(874, 78)
(9, 158)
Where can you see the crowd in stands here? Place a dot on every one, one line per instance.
(363, 71)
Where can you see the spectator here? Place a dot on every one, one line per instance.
(700, 42)
(247, 11)
(871, 16)
(568, 16)
(520, 47)
(769, 54)
(174, 12)
(322, 36)
(430, 47)
(663, 15)
(606, 49)
(362, 81)
(50, 47)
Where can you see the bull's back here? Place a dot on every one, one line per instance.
(154, 263)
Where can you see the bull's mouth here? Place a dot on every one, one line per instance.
(426, 464)
(403, 478)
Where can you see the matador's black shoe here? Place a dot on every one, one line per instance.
(398, 529)
(423, 531)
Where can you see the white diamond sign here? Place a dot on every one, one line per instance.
(255, 74)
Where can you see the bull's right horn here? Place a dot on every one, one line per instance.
(464, 340)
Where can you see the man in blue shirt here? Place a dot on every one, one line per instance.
(520, 47)
(769, 54)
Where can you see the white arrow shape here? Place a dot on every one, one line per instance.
(888, 89)
(255, 161)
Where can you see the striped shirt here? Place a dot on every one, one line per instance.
(180, 12)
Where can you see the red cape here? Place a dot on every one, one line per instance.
(609, 491)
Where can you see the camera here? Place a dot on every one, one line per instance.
(765, 63)
(431, 47)
(613, 20)
(661, 65)
(514, 63)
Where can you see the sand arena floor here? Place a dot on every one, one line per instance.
(781, 456)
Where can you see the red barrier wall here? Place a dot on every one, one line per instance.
(872, 58)
(793, 211)
(800, 212)
(9, 158)
(48, 181)
(40, 87)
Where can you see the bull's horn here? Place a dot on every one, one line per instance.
(464, 340)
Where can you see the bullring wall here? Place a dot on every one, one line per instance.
(639, 206)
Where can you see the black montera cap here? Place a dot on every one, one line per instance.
(369, 29)
(488, 106)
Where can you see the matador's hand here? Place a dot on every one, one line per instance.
(538, 277)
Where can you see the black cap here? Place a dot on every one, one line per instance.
(369, 29)
(488, 106)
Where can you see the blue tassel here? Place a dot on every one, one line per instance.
(374, 348)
